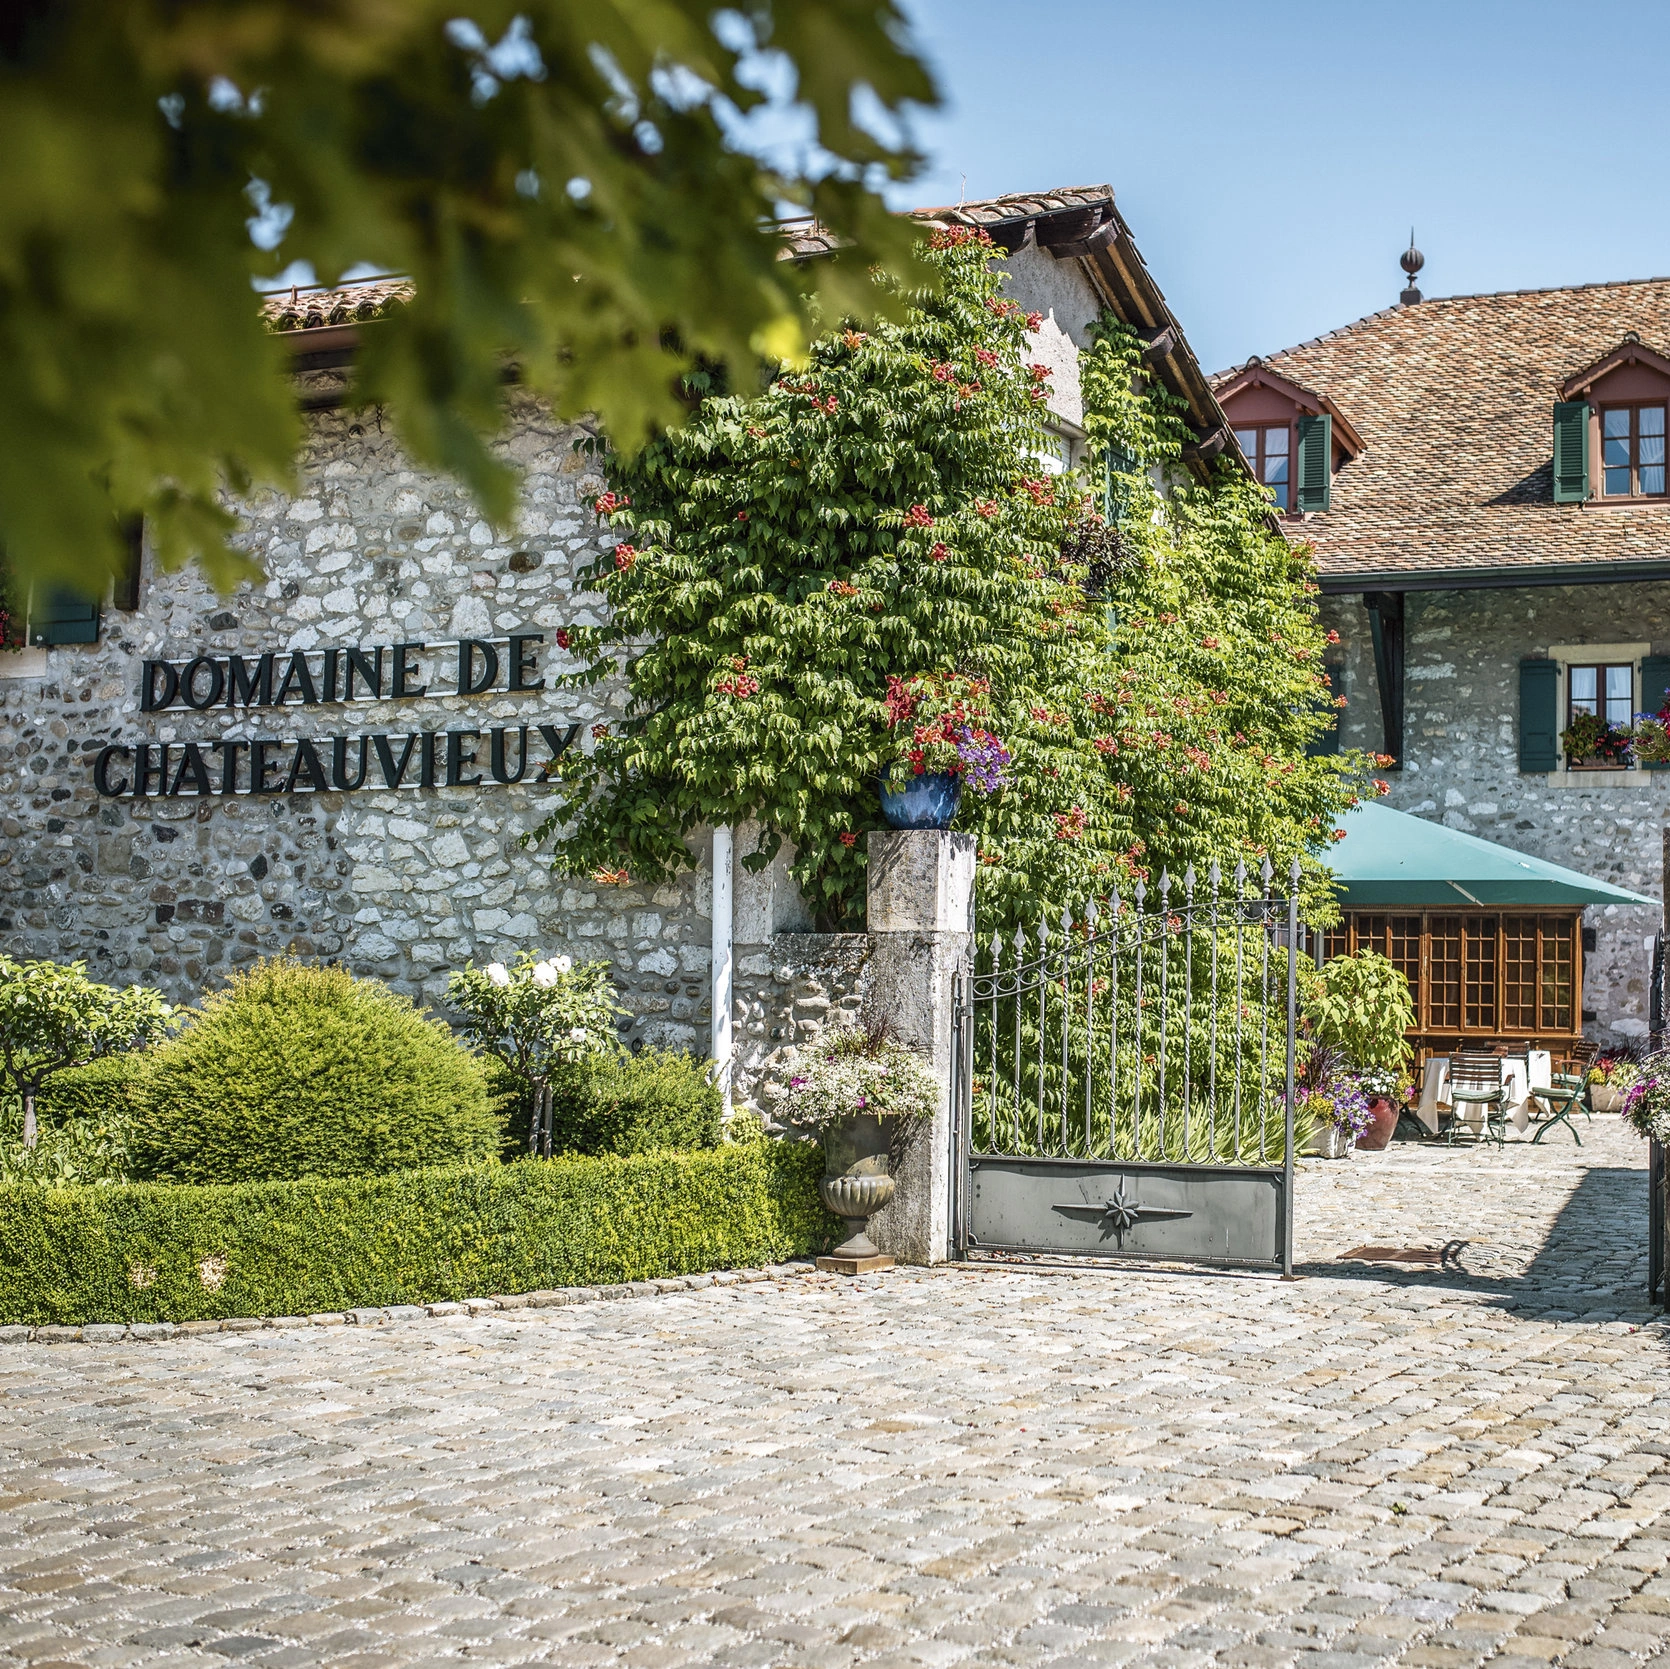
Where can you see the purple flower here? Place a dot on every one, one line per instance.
(983, 759)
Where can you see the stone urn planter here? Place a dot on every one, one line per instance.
(1384, 1113)
(856, 1183)
(1603, 1098)
(928, 801)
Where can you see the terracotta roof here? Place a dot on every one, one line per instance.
(1453, 398)
(1073, 223)
(340, 304)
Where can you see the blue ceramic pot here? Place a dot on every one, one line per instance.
(928, 801)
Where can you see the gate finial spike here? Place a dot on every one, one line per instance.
(1020, 943)
(1240, 876)
(1066, 919)
(1114, 904)
(1043, 933)
(1266, 872)
(1297, 872)
(1215, 875)
(1091, 915)
(1189, 881)
(1165, 887)
(997, 949)
(1142, 894)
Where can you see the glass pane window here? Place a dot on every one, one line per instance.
(1632, 454)
(1268, 448)
(1274, 473)
(1585, 686)
(1605, 692)
(1620, 691)
(1649, 449)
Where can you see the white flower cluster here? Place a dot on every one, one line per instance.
(545, 974)
(847, 1072)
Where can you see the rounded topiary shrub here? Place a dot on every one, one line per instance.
(299, 1071)
(657, 1101)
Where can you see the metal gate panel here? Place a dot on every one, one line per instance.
(1169, 1213)
(1124, 1086)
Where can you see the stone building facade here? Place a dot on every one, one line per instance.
(179, 890)
(1484, 558)
(1461, 727)
(174, 807)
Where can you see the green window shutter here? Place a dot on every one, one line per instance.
(1328, 741)
(1316, 462)
(1655, 689)
(1539, 723)
(124, 593)
(59, 615)
(1571, 451)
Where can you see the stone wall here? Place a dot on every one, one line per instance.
(787, 992)
(180, 890)
(1461, 735)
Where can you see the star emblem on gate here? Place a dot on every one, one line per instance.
(1120, 1213)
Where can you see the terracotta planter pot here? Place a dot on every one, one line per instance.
(1379, 1133)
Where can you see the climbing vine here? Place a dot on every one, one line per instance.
(890, 513)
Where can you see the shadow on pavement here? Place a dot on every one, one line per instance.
(1592, 1262)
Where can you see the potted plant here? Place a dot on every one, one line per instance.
(1646, 1102)
(1361, 1006)
(1610, 1080)
(858, 1088)
(940, 743)
(1651, 741)
(1592, 743)
(1333, 1099)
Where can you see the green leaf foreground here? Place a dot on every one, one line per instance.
(587, 217)
(886, 511)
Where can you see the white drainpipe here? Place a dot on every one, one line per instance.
(723, 981)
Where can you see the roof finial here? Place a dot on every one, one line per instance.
(1411, 260)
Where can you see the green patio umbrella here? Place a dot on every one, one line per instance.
(1389, 859)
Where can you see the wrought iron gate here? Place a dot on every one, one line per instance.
(1123, 1087)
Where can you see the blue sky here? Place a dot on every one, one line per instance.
(1270, 158)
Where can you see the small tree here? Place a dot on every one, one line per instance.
(52, 1016)
(537, 1013)
(1361, 1005)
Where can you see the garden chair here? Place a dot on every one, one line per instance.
(1578, 1059)
(1476, 1080)
(1565, 1091)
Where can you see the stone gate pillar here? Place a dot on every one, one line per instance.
(921, 924)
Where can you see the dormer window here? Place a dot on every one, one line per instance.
(1294, 440)
(1632, 451)
(1610, 428)
(1269, 449)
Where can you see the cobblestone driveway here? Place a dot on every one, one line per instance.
(986, 1467)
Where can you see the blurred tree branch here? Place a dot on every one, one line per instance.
(568, 185)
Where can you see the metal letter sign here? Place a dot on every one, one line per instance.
(335, 678)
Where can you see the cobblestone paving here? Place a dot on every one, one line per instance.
(1435, 1466)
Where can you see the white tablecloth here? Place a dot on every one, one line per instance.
(1523, 1075)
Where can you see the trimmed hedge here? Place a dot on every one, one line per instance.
(161, 1252)
(657, 1100)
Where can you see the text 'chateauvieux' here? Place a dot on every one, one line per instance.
(334, 677)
